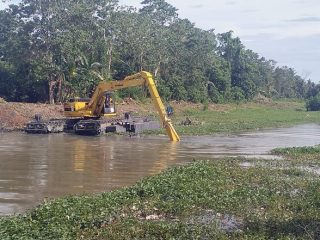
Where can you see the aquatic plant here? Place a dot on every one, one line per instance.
(203, 200)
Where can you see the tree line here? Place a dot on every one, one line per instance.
(51, 50)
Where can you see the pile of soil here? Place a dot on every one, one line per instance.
(14, 116)
(259, 98)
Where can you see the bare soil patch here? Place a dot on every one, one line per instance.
(14, 116)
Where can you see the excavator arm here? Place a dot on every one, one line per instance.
(95, 105)
(150, 84)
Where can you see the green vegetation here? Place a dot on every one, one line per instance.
(241, 117)
(53, 50)
(313, 103)
(307, 157)
(203, 200)
(298, 151)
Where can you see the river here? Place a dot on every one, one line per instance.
(35, 167)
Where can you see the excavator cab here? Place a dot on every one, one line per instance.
(78, 107)
(109, 104)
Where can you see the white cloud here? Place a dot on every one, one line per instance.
(5, 4)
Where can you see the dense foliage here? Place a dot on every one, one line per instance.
(51, 50)
(313, 103)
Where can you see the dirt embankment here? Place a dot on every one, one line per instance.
(14, 116)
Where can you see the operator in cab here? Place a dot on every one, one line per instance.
(109, 106)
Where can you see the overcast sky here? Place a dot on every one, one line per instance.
(287, 31)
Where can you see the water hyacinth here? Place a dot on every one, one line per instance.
(202, 200)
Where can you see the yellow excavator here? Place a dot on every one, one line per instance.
(87, 113)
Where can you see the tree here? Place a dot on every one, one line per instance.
(285, 82)
(242, 63)
(160, 11)
(54, 49)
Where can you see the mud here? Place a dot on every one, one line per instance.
(224, 222)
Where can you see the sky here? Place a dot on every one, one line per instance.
(287, 31)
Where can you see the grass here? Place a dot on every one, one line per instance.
(243, 117)
(298, 151)
(307, 158)
(202, 200)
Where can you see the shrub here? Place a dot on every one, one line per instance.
(313, 103)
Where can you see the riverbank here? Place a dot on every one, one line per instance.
(233, 118)
(230, 198)
(188, 118)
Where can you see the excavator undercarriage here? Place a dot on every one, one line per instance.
(91, 127)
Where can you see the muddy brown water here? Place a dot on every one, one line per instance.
(35, 167)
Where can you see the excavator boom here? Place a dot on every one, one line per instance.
(150, 84)
(94, 108)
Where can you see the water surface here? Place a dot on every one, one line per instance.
(34, 167)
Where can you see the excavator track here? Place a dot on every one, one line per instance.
(91, 127)
(44, 127)
(102, 126)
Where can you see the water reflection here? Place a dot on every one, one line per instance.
(33, 167)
